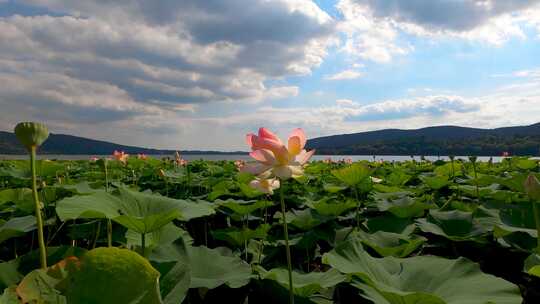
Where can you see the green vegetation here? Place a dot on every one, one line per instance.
(443, 140)
(367, 232)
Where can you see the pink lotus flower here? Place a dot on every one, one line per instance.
(505, 154)
(94, 159)
(178, 160)
(348, 161)
(265, 185)
(239, 164)
(274, 158)
(328, 160)
(142, 156)
(120, 156)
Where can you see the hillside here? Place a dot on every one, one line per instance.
(68, 144)
(440, 140)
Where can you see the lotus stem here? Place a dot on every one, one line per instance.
(37, 205)
(188, 180)
(537, 221)
(261, 247)
(98, 230)
(287, 248)
(476, 180)
(355, 190)
(143, 244)
(109, 233)
(109, 222)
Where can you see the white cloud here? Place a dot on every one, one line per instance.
(373, 28)
(489, 110)
(345, 75)
(175, 52)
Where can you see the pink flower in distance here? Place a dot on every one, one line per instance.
(182, 162)
(94, 159)
(265, 185)
(142, 156)
(239, 164)
(275, 158)
(120, 156)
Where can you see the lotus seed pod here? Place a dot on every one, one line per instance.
(31, 134)
(113, 275)
(532, 187)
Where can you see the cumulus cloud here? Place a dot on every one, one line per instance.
(168, 52)
(444, 15)
(349, 116)
(373, 27)
(345, 75)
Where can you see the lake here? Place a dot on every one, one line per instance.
(216, 157)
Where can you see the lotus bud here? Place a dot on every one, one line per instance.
(161, 173)
(451, 157)
(31, 134)
(532, 187)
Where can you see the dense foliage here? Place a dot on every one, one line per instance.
(442, 140)
(409, 232)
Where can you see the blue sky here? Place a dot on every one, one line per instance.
(201, 74)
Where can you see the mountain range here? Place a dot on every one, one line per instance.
(74, 145)
(439, 140)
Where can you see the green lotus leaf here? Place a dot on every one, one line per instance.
(397, 178)
(47, 168)
(390, 244)
(532, 264)
(448, 169)
(436, 182)
(48, 285)
(141, 212)
(420, 279)
(220, 189)
(160, 237)
(455, 225)
(401, 205)
(391, 223)
(21, 197)
(242, 208)
(387, 189)
(17, 226)
(331, 207)
(304, 284)
(210, 268)
(10, 296)
(175, 273)
(31, 134)
(331, 188)
(352, 175)
(9, 274)
(305, 219)
(15, 169)
(112, 275)
(239, 236)
(526, 164)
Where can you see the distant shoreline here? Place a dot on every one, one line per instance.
(246, 157)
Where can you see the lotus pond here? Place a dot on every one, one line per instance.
(145, 230)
